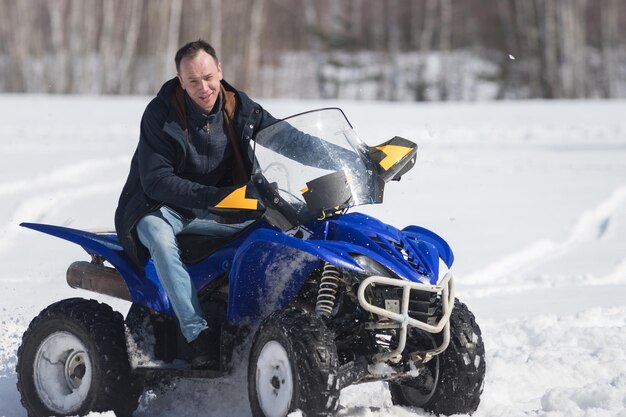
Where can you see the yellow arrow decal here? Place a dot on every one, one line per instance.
(394, 154)
(237, 200)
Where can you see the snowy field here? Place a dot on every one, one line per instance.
(530, 195)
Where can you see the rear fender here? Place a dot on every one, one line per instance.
(270, 268)
(142, 291)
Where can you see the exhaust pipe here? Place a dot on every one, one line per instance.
(97, 278)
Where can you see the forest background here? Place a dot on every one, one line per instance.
(410, 50)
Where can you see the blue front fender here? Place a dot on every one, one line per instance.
(269, 269)
(423, 234)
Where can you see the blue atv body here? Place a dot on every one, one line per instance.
(252, 259)
(332, 297)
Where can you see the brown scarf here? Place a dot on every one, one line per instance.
(240, 174)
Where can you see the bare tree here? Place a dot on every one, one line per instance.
(253, 47)
(18, 49)
(508, 75)
(59, 64)
(315, 48)
(216, 24)
(562, 48)
(108, 45)
(356, 18)
(528, 34)
(173, 37)
(445, 43)
(424, 41)
(392, 67)
(609, 13)
(572, 42)
(548, 41)
(133, 11)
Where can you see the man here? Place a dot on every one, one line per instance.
(193, 153)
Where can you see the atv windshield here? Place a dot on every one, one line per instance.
(315, 165)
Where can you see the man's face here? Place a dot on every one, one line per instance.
(200, 76)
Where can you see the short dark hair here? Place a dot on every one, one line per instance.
(191, 49)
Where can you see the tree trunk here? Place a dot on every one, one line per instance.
(253, 47)
(216, 26)
(507, 75)
(133, 12)
(315, 47)
(609, 43)
(392, 70)
(380, 43)
(571, 26)
(424, 42)
(85, 22)
(529, 53)
(356, 18)
(445, 41)
(18, 49)
(546, 17)
(58, 66)
(173, 39)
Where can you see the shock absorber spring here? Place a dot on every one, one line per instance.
(327, 292)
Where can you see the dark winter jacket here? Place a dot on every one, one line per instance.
(155, 178)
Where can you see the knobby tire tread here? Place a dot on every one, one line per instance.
(460, 382)
(317, 361)
(113, 387)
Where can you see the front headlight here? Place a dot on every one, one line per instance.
(372, 267)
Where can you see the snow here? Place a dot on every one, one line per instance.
(530, 195)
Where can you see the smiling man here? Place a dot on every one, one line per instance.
(193, 153)
(200, 76)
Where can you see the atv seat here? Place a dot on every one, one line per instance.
(196, 248)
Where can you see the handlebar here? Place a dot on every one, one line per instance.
(278, 211)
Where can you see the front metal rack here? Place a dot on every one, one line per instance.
(403, 320)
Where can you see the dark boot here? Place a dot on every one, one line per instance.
(205, 351)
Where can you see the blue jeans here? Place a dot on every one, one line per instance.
(157, 231)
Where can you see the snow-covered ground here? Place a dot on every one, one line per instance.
(531, 196)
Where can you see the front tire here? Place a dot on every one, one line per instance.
(457, 375)
(73, 360)
(293, 365)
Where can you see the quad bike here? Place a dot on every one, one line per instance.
(329, 298)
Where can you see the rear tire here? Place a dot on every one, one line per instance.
(293, 365)
(459, 375)
(73, 360)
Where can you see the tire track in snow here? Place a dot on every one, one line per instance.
(617, 275)
(68, 175)
(590, 226)
(35, 208)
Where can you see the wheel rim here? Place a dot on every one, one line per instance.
(421, 394)
(62, 373)
(274, 380)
